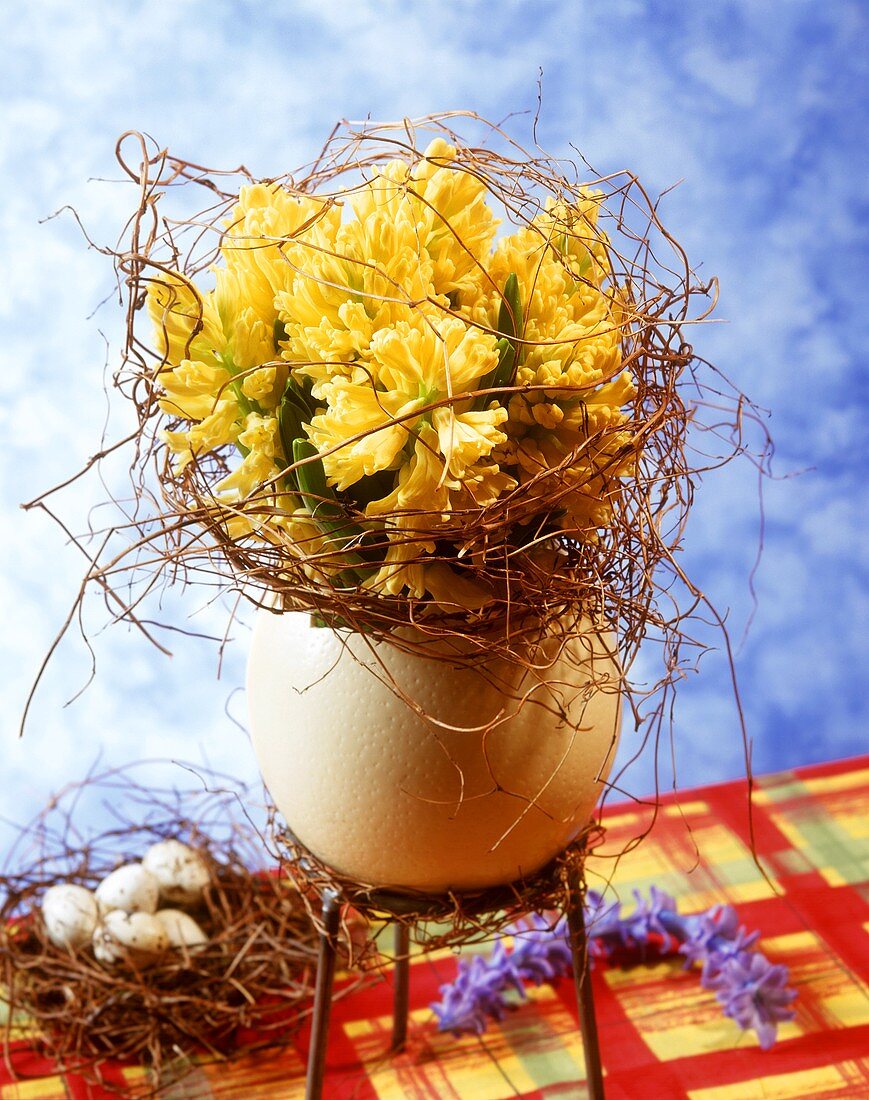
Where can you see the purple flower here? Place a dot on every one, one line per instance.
(652, 917)
(608, 930)
(541, 953)
(473, 998)
(600, 914)
(713, 938)
(753, 992)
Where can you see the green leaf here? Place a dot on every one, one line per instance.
(510, 313)
(294, 410)
(510, 324)
(584, 265)
(289, 429)
(502, 375)
(323, 505)
(317, 496)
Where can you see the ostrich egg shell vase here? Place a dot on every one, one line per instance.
(488, 776)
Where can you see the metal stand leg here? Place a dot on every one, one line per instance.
(402, 986)
(584, 998)
(322, 998)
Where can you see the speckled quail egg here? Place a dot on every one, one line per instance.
(132, 888)
(181, 872)
(70, 914)
(181, 929)
(139, 937)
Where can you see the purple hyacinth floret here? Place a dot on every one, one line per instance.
(754, 992)
(713, 937)
(651, 917)
(475, 997)
(751, 990)
(608, 930)
(541, 953)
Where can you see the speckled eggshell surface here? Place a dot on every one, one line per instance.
(390, 798)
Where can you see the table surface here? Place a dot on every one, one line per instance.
(662, 1035)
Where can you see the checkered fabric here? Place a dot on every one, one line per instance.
(662, 1035)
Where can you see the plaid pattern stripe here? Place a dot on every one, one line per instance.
(662, 1036)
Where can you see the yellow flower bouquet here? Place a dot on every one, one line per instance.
(397, 384)
(421, 383)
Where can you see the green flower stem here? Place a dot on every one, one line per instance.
(326, 511)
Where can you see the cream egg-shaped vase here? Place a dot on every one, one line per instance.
(487, 776)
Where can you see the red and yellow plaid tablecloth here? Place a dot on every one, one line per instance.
(661, 1034)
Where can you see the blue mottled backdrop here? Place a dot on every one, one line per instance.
(757, 108)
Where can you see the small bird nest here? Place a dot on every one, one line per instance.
(249, 986)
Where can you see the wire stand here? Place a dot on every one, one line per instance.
(408, 908)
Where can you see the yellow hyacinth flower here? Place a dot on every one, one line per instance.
(431, 369)
(409, 367)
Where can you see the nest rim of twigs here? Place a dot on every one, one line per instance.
(451, 919)
(623, 574)
(478, 543)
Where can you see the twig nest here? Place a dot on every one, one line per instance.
(70, 914)
(181, 872)
(128, 995)
(138, 937)
(181, 929)
(132, 888)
